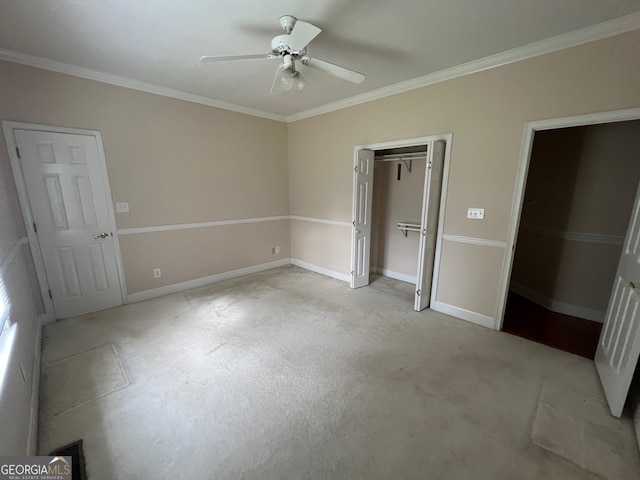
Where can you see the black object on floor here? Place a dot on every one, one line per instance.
(529, 320)
(75, 451)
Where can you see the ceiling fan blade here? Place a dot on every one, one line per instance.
(275, 89)
(302, 34)
(225, 58)
(333, 69)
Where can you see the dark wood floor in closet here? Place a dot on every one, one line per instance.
(564, 332)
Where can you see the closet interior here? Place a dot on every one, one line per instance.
(398, 188)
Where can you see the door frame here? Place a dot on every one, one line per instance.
(8, 127)
(409, 142)
(530, 129)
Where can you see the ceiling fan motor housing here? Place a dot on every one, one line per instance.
(280, 44)
(287, 22)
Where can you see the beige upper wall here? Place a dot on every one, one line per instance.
(487, 113)
(173, 161)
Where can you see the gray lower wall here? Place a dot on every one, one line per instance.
(19, 348)
(21, 304)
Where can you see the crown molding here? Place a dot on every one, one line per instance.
(606, 29)
(581, 36)
(87, 73)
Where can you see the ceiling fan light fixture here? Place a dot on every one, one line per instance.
(291, 47)
(288, 79)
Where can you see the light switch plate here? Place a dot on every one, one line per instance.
(122, 207)
(475, 213)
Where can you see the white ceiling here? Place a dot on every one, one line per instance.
(160, 41)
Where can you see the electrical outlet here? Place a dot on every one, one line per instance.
(157, 273)
(475, 213)
(122, 207)
(275, 250)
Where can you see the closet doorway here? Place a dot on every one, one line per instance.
(399, 189)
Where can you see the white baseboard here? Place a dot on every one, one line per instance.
(324, 271)
(395, 275)
(556, 306)
(468, 315)
(32, 436)
(200, 282)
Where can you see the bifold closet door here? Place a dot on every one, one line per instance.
(361, 237)
(429, 222)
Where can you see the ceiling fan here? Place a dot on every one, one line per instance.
(292, 47)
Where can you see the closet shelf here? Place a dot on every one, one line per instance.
(405, 227)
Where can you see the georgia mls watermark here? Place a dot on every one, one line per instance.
(35, 468)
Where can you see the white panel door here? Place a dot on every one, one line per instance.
(67, 194)
(429, 224)
(361, 238)
(619, 345)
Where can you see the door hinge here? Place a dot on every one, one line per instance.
(355, 169)
(35, 229)
(50, 295)
(353, 274)
(354, 223)
(419, 292)
(18, 152)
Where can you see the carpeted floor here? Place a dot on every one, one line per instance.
(287, 374)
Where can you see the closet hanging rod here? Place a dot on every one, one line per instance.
(401, 157)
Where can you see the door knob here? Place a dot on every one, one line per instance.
(102, 235)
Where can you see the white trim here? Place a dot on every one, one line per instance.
(124, 293)
(200, 282)
(16, 166)
(318, 269)
(572, 39)
(220, 223)
(461, 313)
(441, 217)
(584, 237)
(43, 319)
(521, 181)
(34, 244)
(108, 78)
(32, 436)
(186, 226)
(587, 119)
(12, 253)
(321, 220)
(403, 277)
(474, 240)
(405, 142)
(559, 307)
(448, 139)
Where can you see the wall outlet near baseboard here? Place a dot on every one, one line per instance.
(157, 273)
(475, 213)
(275, 250)
(122, 207)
